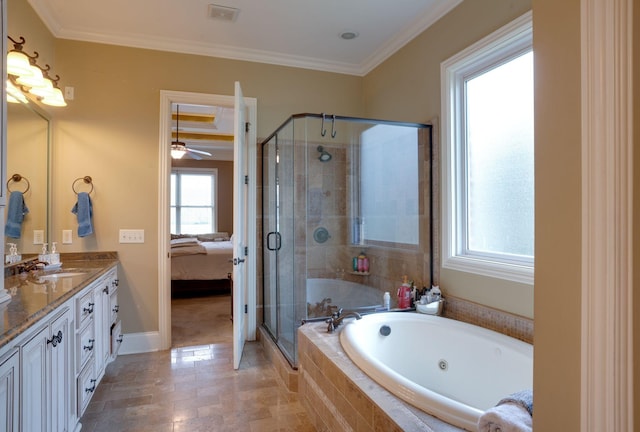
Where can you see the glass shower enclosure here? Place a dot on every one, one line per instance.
(334, 188)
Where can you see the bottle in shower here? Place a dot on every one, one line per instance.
(386, 301)
(363, 262)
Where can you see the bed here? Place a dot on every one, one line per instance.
(202, 262)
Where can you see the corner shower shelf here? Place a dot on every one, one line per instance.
(360, 273)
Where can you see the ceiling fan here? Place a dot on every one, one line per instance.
(179, 148)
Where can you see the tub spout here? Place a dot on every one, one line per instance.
(336, 319)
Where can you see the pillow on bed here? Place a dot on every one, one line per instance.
(219, 236)
(184, 241)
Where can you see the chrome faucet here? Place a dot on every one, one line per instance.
(337, 318)
(30, 266)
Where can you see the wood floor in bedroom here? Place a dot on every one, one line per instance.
(193, 387)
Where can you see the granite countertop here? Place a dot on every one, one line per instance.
(36, 294)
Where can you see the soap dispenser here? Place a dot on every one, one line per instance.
(43, 257)
(54, 256)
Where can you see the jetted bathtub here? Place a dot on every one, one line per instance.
(449, 369)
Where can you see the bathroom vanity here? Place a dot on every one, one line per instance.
(57, 335)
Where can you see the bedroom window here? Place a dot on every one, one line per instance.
(488, 164)
(193, 201)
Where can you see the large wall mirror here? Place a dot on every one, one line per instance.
(28, 133)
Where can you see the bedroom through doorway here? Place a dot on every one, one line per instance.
(201, 224)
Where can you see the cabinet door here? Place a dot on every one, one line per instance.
(34, 382)
(60, 373)
(103, 313)
(10, 392)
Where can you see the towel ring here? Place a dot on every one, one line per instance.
(85, 179)
(18, 178)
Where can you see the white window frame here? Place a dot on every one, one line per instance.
(503, 45)
(210, 171)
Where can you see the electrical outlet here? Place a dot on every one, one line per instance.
(69, 93)
(38, 236)
(131, 236)
(67, 237)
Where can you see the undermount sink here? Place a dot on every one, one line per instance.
(61, 275)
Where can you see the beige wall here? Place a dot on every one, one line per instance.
(225, 188)
(558, 214)
(110, 131)
(407, 87)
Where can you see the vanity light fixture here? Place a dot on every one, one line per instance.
(26, 76)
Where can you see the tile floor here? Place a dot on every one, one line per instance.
(193, 387)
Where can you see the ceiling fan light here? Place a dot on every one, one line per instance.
(177, 150)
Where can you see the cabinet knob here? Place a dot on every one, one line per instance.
(106, 290)
(92, 388)
(115, 282)
(116, 308)
(55, 339)
(119, 340)
(89, 347)
(89, 309)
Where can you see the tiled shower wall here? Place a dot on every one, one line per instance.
(328, 196)
(320, 197)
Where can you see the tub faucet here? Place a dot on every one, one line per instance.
(337, 318)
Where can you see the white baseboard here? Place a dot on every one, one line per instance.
(135, 343)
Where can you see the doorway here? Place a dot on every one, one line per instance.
(168, 99)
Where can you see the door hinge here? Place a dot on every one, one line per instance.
(246, 179)
(246, 309)
(246, 251)
(246, 126)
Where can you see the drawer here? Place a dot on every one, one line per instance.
(86, 386)
(86, 343)
(113, 302)
(85, 309)
(116, 339)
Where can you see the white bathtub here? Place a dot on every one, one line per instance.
(449, 369)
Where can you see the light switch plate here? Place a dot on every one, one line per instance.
(67, 237)
(131, 236)
(38, 236)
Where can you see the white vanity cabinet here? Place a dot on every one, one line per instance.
(10, 391)
(46, 371)
(49, 372)
(95, 311)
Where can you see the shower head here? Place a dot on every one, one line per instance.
(325, 156)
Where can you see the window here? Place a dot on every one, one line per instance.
(488, 164)
(193, 201)
(388, 185)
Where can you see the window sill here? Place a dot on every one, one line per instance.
(511, 272)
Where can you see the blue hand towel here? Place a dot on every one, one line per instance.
(15, 215)
(84, 211)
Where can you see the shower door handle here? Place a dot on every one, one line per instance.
(278, 242)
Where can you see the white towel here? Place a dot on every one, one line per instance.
(506, 417)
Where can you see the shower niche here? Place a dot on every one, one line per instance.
(333, 188)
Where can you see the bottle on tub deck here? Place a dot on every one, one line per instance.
(404, 294)
(386, 301)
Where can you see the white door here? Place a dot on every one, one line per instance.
(239, 225)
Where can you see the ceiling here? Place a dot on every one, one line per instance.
(297, 33)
